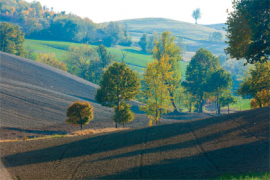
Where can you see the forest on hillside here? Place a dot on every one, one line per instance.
(41, 22)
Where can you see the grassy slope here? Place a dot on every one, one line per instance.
(135, 58)
(184, 29)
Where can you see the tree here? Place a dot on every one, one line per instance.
(151, 41)
(51, 60)
(125, 115)
(99, 65)
(119, 84)
(80, 57)
(166, 46)
(219, 81)
(198, 72)
(144, 42)
(216, 36)
(227, 99)
(158, 100)
(80, 113)
(12, 39)
(196, 14)
(114, 34)
(248, 31)
(257, 83)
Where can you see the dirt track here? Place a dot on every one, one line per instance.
(235, 143)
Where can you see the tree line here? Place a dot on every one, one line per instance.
(41, 22)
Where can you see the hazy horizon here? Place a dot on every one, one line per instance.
(99, 11)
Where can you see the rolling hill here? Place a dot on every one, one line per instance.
(184, 29)
(35, 97)
(194, 35)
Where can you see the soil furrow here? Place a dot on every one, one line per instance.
(140, 157)
(201, 149)
(75, 168)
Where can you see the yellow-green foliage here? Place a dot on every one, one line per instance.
(51, 60)
(257, 84)
(157, 90)
(264, 95)
(80, 113)
(125, 115)
(119, 84)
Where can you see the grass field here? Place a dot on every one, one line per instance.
(135, 58)
(250, 176)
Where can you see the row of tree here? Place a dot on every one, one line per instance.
(39, 22)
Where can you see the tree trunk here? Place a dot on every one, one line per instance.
(218, 104)
(172, 100)
(228, 108)
(116, 116)
(200, 104)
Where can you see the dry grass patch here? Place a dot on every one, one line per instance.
(96, 131)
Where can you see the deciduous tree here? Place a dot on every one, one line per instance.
(80, 113)
(196, 14)
(158, 100)
(198, 72)
(144, 42)
(12, 39)
(119, 84)
(256, 82)
(166, 46)
(248, 30)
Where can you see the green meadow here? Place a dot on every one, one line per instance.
(135, 58)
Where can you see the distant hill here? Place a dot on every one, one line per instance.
(219, 26)
(194, 35)
(188, 30)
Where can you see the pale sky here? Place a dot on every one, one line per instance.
(213, 11)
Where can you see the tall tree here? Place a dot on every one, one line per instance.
(166, 46)
(248, 31)
(80, 57)
(256, 82)
(144, 42)
(80, 113)
(196, 14)
(219, 81)
(156, 89)
(12, 39)
(119, 84)
(198, 72)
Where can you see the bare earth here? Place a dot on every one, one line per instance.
(34, 98)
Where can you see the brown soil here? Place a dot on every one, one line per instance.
(235, 143)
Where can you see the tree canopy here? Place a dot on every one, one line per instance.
(248, 31)
(196, 14)
(119, 84)
(202, 65)
(80, 113)
(12, 39)
(257, 83)
(166, 46)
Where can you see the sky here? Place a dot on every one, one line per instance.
(213, 11)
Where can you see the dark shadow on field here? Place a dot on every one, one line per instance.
(42, 132)
(239, 159)
(83, 98)
(253, 156)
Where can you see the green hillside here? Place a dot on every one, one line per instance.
(188, 30)
(194, 35)
(135, 58)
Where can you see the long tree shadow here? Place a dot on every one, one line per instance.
(113, 141)
(240, 159)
